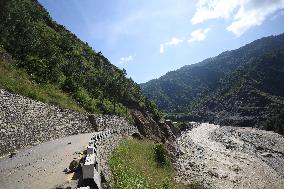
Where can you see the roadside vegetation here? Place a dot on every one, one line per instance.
(17, 81)
(141, 164)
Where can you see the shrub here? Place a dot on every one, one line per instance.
(160, 154)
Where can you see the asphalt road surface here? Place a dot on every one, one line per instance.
(42, 166)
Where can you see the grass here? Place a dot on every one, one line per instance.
(17, 81)
(133, 166)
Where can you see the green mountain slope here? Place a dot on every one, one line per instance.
(50, 57)
(240, 87)
(251, 96)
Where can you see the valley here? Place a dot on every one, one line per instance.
(74, 116)
(241, 87)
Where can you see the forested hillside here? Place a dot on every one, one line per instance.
(52, 62)
(240, 87)
(253, 95)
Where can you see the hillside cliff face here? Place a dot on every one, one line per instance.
(241, 87)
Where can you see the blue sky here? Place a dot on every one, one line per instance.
(150, 38)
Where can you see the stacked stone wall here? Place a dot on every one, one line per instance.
(25, 122)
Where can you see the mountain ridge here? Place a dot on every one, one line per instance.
(211, 58)
(186, 89)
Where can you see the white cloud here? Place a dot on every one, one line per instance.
(245, 13)
(198, 35)
(125, 60)
(173, 42)
(162, 48)
(212, 9)
(275, 16)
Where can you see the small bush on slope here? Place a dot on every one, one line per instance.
(160, 154)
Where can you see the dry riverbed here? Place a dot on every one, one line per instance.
(231, 157)
(42, 166)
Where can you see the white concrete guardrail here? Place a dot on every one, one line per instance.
(92, 168)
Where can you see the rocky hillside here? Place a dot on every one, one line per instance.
(241, 87)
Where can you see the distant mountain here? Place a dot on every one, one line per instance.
(242, 87)
(49, 63)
